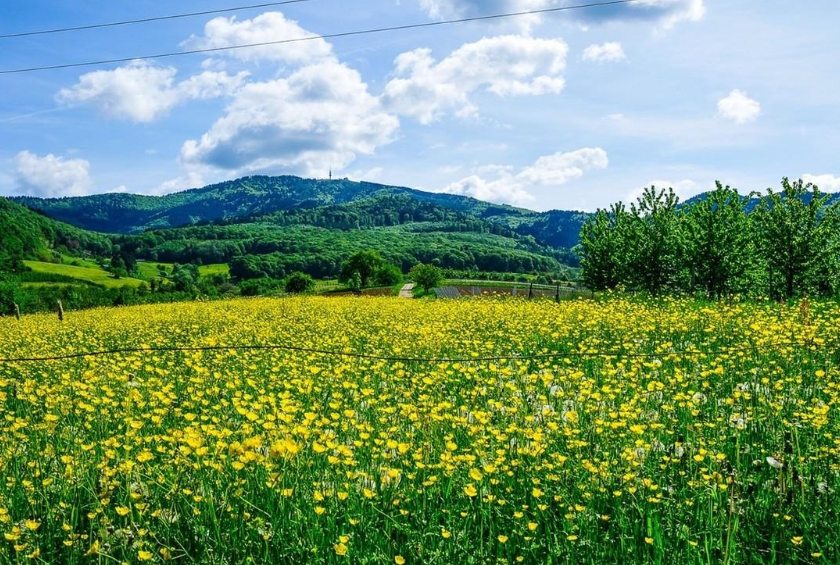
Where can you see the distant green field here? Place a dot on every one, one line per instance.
(213, 270)
(94, 275)
(79, 262)
(149, 269)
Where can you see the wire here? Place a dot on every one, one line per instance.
(315, 37)
(102, 353)
(154, 19)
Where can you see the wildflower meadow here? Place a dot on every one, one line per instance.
(380, 430)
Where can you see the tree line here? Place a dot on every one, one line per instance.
(781, 244)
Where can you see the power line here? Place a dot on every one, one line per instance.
(624, 354)
(316, 37)
(153, 19)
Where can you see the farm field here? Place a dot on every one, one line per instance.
(707, 435)
(95, 275)
(149, 269)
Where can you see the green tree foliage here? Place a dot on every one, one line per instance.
(603, 248)
(654, 263)
(26, 234)
(298, 282)
(355, 282)
(387, 275)
(259, 287)
(787, 244)
(185, 277)
(366, 263)
(720, 253)
(427, 276)
(798, 237)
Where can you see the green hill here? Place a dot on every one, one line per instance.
(317, 240)
(259, 196)
(25, 234)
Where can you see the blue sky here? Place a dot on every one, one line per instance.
(568, 110)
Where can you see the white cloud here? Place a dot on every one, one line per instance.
(143, 93)
(51, 176)
(447, 9)
(318, 117)
(191, 179)
(739, 108)
(373, 175)
(826, 183)
(607, 53)
(506, 65)
(547, 171)
(267, 27)
(664, 13)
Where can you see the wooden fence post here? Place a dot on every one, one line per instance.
(531, 291)
(557, 295)
(17, 311)
(60, 312)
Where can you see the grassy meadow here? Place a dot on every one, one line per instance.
(90, 273)
(709, 436)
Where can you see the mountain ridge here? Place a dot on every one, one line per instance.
(259, 195)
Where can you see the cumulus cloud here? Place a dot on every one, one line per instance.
(607, 53)
(318, 117)
(507, 65)
(739, 108)
(143, 93)
(51, 176)
(191, 179)
(826, 183)
(447, 9)
(664, 13)
(503, 185)
(267, 27)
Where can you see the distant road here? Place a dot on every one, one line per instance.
(407, 291)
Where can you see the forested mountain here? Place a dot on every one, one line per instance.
(26, 234)
(259, 196)
(316, 240)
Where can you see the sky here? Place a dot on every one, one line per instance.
(566, 110)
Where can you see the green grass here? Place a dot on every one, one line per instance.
(80, 262)
(213, 270)
(148, 270)
(94, 275)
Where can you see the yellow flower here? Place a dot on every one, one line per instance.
(475, 474)
(143, 555)
(470, 491)
(572, 537)
(649, 541)
(94, 549)
(536, 493)
(399, 559)
(532, 526)
(340, 549)
(320, 510)
(502, 539)
(797, 540)
(122, 510)
(32, 525)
